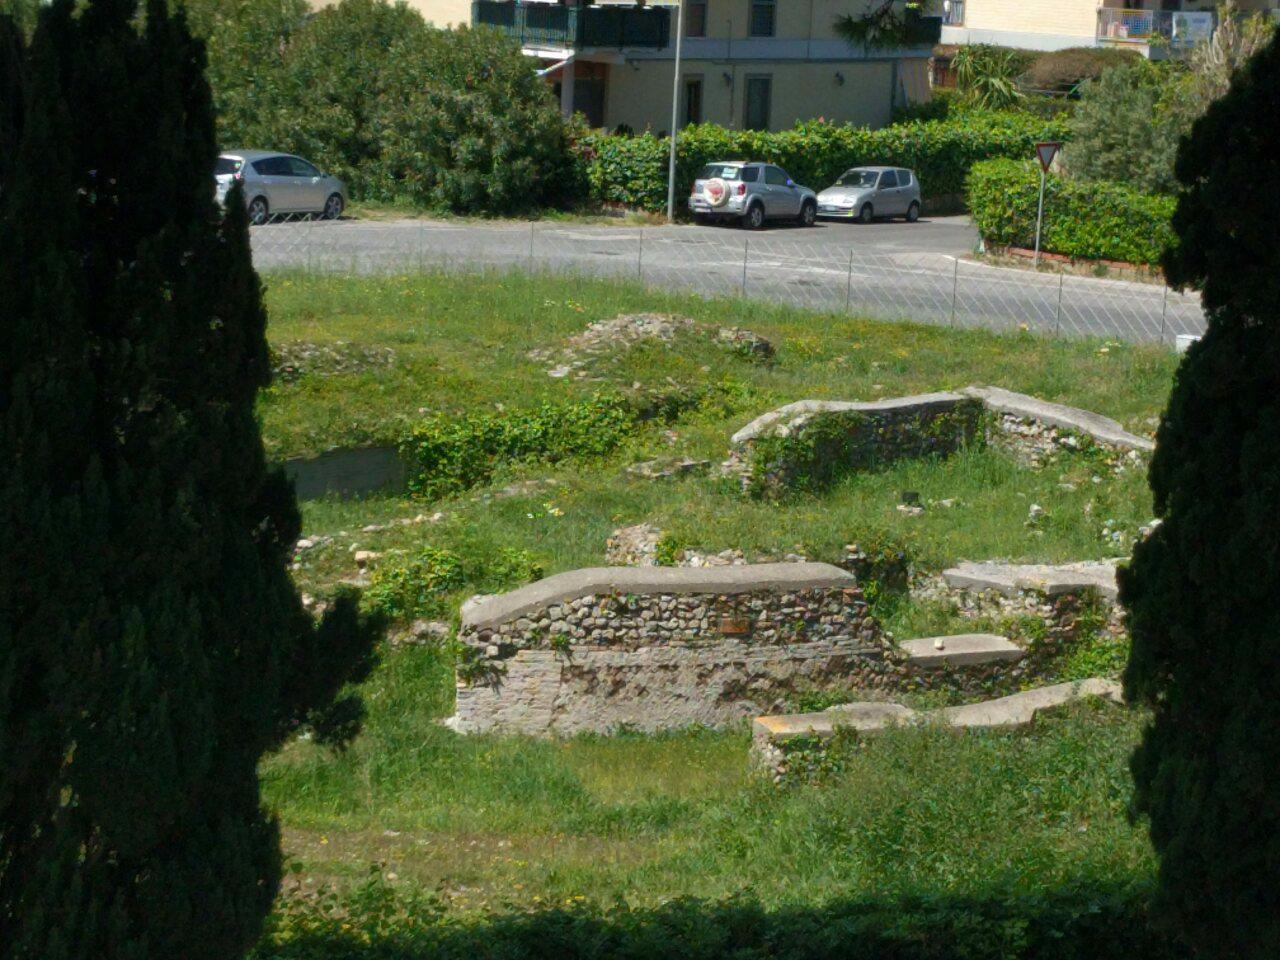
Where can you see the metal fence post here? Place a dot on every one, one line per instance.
(532, 229)
(746, 251)
(848, 285)
(955, 283)
(1057, 320)
(640, 258)
(1164, 310)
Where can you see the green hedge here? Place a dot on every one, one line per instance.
(1088, 220)
(633, 170)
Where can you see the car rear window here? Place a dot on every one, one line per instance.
(722, 170)
(227, 165)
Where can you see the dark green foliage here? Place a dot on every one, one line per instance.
(11, 71)
(1092, 221)
(152, 645)
(452, 120)
(632, 170)
(379, 922)
(1201, 591)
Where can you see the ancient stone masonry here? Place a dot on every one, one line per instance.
(808, 442)
(653, 648)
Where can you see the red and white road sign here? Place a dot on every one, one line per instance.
(1045, 152)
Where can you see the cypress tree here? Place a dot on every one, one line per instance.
(1203, 592)
(152, 645)
(11, 67)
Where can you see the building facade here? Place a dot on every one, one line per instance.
(1155, 28)
(746, 64)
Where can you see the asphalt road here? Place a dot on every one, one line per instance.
(889, 270)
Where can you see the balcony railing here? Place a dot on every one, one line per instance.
(552, 25)
(1174, 28)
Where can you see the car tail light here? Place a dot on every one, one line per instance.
(742, 190)
(240, 175)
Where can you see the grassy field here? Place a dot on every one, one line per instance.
(495, 843)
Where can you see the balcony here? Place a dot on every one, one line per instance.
(1176, 31)
(551, 26)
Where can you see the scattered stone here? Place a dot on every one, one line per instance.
(964, 650)
(745, 342)
(365, 557)
(668, 468)
(634, 546)
(294, 359)
(911, 511)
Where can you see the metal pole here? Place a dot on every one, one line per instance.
(1164, 311)
(848, 286)
(955, 283)
(1057, 320)
(746, 249)
(640, 257)
(675, 115)
(1039, 217)
(532, 227)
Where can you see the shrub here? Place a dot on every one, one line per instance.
(420, 584)
(454, 453)
(1062, 71)
(475, 130)
(1122, 129)
(633, 170)
(1200, 592)
(1092, 221)
(988, 76)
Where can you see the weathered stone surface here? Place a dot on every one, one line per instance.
(1102, 429)
(600, 581)
(771, 734)
(1011, 579)
(966, 649)
(789, 418)
(668, 468)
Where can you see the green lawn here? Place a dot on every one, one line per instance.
(440, 845)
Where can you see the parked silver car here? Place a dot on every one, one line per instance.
(865, 193)
(750, 193)
(279, 183)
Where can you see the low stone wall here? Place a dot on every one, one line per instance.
(811, 441)
(658, 648)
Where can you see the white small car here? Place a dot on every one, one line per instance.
(865, 193)
(279, 183)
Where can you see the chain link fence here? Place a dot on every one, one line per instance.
(783, 265)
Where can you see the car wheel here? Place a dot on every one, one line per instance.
(913, 211)
(333, 207)
(259, 212)
(808, 214)
(866, 214)
(753, 219)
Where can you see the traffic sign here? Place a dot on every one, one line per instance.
(1045, 152)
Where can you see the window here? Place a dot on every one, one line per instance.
(775, 176)
(273, 167)
(226, 165)
(904, 178)
(695, 18)
(857, 178)
(763, 18)
(888, 179)
(756, 108)
(300, 168)
(692, 100)
(750, 174)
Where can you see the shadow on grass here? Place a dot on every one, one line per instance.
(1086, 923)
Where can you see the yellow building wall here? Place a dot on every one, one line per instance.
(639, 93)
(440, 13)
(1069, 17)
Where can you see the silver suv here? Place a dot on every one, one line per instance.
(279, 183)
(865, 193)
(750, 193)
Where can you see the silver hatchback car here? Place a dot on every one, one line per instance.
(750, 193)
(276, 184)
(865, 193)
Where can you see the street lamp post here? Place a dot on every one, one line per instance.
(675, 115)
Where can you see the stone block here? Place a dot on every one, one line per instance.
(962, 650)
